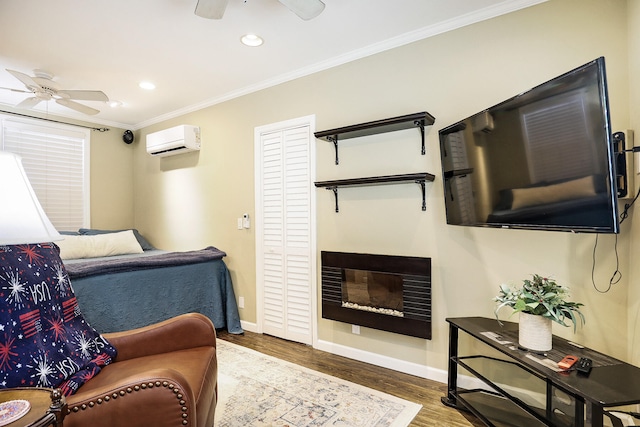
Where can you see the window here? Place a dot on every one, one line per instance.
(56, 160)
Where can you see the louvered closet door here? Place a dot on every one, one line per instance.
(285, 270)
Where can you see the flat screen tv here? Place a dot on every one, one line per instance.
(541, 160)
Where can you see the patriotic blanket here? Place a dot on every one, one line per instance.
(44, 338)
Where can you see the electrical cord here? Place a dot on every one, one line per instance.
(615, 277)
(625, 212)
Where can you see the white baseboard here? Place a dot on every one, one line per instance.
(411, 368)
(368, 357)
(249, 326)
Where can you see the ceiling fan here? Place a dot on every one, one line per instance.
(42, 86)
(305, 9)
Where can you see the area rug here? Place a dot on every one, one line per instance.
(259, 390)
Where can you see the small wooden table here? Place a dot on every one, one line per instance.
(48, 406)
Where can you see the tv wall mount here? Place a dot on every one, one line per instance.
(624, 165)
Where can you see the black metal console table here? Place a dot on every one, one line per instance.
(526, 389)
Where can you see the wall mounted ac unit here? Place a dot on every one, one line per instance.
(175, 140)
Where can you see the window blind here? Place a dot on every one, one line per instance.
(55, 160)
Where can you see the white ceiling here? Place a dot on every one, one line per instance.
(111, 45)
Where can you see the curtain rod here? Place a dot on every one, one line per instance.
(56, 121)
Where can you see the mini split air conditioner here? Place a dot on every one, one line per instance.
(175, 140)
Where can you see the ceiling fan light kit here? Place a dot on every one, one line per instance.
(43, 88)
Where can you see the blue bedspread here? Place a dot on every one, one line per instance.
(120, 299)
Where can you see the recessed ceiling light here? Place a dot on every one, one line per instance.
(147, 85)
(251, 40)
(114, 104)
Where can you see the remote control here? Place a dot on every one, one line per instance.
(583, 366)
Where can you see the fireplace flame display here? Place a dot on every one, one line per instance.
(372, 291)
(386, 292)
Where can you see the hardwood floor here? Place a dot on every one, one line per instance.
(415, 389)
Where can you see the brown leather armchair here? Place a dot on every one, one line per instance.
(163, 375)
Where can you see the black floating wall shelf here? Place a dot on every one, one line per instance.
(419, 178)
(419, 120)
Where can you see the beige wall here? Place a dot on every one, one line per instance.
(111, 180)
(193, 200)
(634, 123)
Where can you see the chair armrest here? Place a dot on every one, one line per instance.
(134, 399)
(178, 333)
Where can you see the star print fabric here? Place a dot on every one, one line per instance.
(45, 340)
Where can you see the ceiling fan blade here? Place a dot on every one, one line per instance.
(15, 90)
(25, 79)
(85, 95)
(29, 103)
(211, 9)
(305, 9)
(77, 106)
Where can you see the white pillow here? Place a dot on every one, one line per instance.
(99, 245)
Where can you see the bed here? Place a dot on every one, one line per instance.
(129, 290)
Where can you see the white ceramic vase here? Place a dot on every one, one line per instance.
(535, 332)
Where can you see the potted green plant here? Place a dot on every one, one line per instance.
(539, 301)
